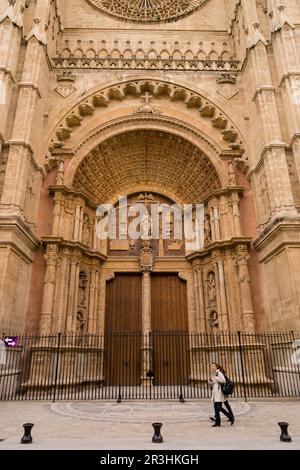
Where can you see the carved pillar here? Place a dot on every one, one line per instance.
(146, 303)
(241, 260)
(51, 257)
(200, 306)
(223, 296)
(93, 300)
(80, 236)
(146, 266)
(73, 295)
(76, 233)
(217, 223)
(61, 298)
(212, 223)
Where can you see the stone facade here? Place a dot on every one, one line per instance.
(186, 103)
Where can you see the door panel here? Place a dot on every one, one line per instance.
(123, 327)
(170, 330)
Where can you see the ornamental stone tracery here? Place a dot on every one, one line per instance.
(147, 11)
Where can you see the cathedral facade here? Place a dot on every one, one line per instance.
(169, 102)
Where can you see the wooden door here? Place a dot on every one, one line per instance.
(123, 328)
(169, 330)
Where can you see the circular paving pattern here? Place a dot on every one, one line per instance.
(152, 11)
(169, 412)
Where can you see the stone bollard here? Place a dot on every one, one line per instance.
(27, 438)
(157, 438)
(284, 432)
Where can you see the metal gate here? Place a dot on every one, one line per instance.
(167, 365)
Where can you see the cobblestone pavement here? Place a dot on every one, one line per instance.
(108, 425)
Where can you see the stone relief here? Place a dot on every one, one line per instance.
(211, 285)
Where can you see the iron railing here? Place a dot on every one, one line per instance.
(164, 365)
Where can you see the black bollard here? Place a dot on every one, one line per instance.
(27, 438)
(119, 400)
(181, 399)
(157, 438)
(284, 432)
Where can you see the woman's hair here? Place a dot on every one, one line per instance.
(218, 366)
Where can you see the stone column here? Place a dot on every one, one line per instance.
(200, 323)
(223, 296)
(217, 223)
(73, 295)
(51, 257)
(241, 261)
(146, 321)
(61, 298)
(76, 233)
(93, 300)
(212, 223)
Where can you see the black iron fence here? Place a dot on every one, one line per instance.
(167, 365)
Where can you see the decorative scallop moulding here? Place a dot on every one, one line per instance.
(147, 11)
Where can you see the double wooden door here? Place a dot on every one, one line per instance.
(124, 339)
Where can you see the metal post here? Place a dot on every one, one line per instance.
(57, 365)
(242, 364)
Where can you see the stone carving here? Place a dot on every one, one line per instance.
(149, 11)
(88, 107)
(127, 165)
(82, 290)
(227, 88)
(213, 320)
(147, 108)
(60, 174)
(207, 230)
(86, 230)
(146, 256)
(66, 84)
(211, 284)
(80, 323)
(231, 174)
(146, 226)
(69, 206)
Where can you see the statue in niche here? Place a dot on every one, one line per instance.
(80, 326)
(231, 174)
(29, 196)
(86, 229)
(146, 226)
(60, 174)
(207, 230)
(213, 320)
(211, 282)
(82, 295)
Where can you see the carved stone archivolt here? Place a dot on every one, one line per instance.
(158, 158)
(89, 105)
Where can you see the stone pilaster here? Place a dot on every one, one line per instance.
(61, 297)
(51, 257)
(199, 300)
(73, 295)
(242, 257)
(223, 311)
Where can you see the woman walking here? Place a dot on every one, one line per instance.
(218, 397)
